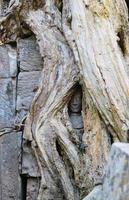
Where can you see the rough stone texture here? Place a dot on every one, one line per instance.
(4, 62)
(96, 194)
(29, 162)
(32, 188)
(30, 65)
(16, 94)
(27, 86)
(8, 72)
(8, 61)
(7, 104)
(29, 56)
(12, 58)
(116, 181)
(10, 146)
(81, 42)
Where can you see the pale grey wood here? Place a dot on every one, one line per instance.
(80, 43)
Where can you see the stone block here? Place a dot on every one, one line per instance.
(29, 162)
(12, 55)
(7, 102)
(4, 62)
(27, 86)
(8, 61)
(32, 188)
(29, 56)
(116, 181)
(96, 194)
(9, 164)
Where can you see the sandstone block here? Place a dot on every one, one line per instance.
(27, 86)
(29, 56)
(9, 164)
(7, 102)
(96, 194)
(8, 62)
(29, 162)
(116, 181)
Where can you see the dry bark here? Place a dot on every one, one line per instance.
(84, 47)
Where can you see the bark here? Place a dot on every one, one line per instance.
(81, 106)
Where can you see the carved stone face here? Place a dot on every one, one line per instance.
(75, 104)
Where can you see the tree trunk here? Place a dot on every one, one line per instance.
(81, 106)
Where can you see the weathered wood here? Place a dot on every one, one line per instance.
(83, 44)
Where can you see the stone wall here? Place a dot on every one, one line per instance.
(20, 71)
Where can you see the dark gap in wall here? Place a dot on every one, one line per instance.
(25, 30)
(128, 136)
(111, 138)
(121, 41)
(58, 147)
(127, 3)
(23, 186)
(13, 44)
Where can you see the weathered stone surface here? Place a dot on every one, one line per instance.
(116, 182)
(27, 86)
(8, 62)
(7, 102)
(9, 159)
(8, 72)
(29, 56)
(116, 179)
(29, 162)
(96, 194)
(91, 30)
(32, 188)
(4, 62)
(12, 55)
